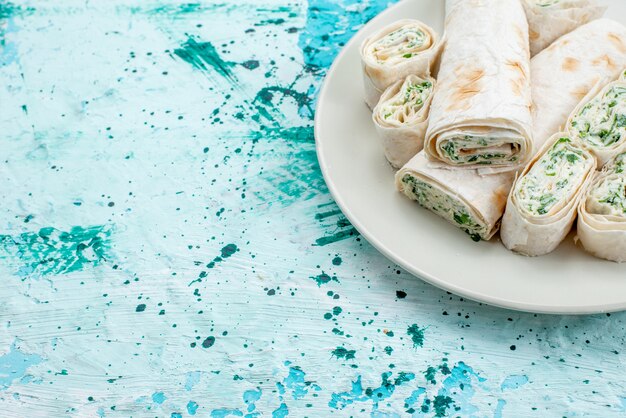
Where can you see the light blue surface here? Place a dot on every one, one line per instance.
(168, 246)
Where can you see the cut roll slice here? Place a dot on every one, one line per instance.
(542, 204)
(600, 122)
(476, 145)
(575, 66)
(398, 50)
(481, 114)
(401, 118)
(472, 202)
(548, 20)
(602, 213)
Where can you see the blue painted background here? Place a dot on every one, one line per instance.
(168, 246)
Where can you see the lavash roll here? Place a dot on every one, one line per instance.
(548, 20)
(401, 118)
(542, 205)
(465, 198)
(396, 51)
(599, 122)
(480, 116)
(574, 66)
(602, 213)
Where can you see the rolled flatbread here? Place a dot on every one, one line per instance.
(548, 20)
(472, 202)
(602, 213)
(543, 201)
(396, 51)
(401, 118)
(480, 115)
(570, 69)
(599, 123)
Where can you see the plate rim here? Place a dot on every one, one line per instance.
(415, 270)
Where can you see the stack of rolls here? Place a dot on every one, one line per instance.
(489, 129)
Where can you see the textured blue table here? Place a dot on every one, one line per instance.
(168, 246)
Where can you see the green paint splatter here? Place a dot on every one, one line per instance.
(51, 251)
(10, 10)
(441, 404)
(342, 352)
(339, 236)
(323, 279)
(208, 342)
(430, 374)
(337, 310)
(202, 56)
(337, 261)
(417, 335)
(229, 250)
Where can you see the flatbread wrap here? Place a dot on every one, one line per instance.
(576, 65)
(480, 116)
(602, 213)
(548, 20)
(465, 198)
(401, 118)
(542, 205)
(599, 123)
(396, 51)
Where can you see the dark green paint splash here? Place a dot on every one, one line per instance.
(324, 278)
(10, 10)
(203, 56)
(226, 252)
(343, 353)
(417, 335)
(51, 251)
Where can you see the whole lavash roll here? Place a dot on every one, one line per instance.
(465, 198)
(401, 118)
(602, 213)
(480, 116)
(548, 20)
(396, 51)
(574, 66)
(544, 199)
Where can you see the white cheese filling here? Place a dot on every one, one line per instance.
(405, 106)
(601, 123)
(553, 180)
(499, 147)
(437, 200)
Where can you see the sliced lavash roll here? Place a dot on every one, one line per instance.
(543, 201)
(396, 51)
(401, 117)
(465, 198)
(480, 116)
(571, 68)
(602, 213)
(548, 20)
(599, 122)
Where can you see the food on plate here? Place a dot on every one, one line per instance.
(548, 20)
(480, 115)
(406, 47)
(574, 66)
(602, 213)
(401, 118)
(542, 205)
(471, 201)
(600, 122)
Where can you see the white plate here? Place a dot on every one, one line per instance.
(361, 181)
